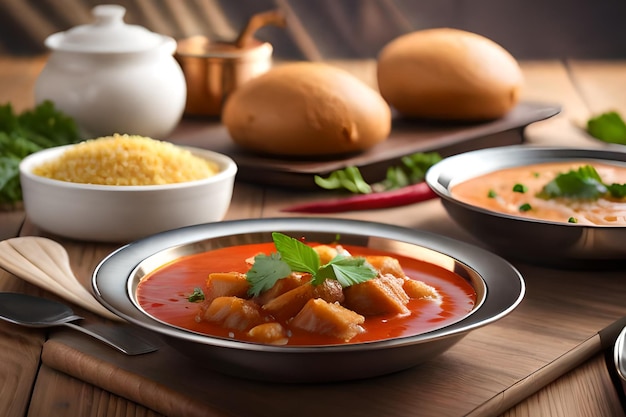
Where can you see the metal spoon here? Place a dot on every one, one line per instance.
(30, 311)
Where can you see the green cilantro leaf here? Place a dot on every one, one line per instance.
(347, 270)
(349, 178)
(265, 272)
(608, 127)
(617, 190)
(22, 134)
(10, 190)
(418, 163)
(297, 255)
(196, 296)
(411, 171)
(396, 178)
(294, 255)
(584, 183)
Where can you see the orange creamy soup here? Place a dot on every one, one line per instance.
(515, 191)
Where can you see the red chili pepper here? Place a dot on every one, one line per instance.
(410, 194)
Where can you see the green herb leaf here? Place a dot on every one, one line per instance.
(396, 178)
(492, 194)
(347, 270)
(572, 220)
(608, 127)
(419, 163)
(297, 255)
(196, 296)
(584, 183)
(23, 134)
(349, 178)
(294, 255)
(525, 207)
(520, 188)
(411, 171)
(617, 190)
(10, 190)
(265, 272)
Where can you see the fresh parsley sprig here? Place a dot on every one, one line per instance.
(294, 255)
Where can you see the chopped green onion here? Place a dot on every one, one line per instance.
(492, 194)
(572, 220)
(525, 207)
(520, 188)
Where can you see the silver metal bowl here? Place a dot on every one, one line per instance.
(549, 243)
(499, 286)
(619, 358)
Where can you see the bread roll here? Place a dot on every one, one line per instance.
(306, 109)
(448, 74)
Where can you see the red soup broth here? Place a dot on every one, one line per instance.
(163, 294)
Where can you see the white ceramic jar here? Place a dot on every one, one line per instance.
(112, 77)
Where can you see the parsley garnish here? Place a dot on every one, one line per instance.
(525, 207)
(294, 255)
(520, 188)
(572, 220)
(197, 295)
(492, 194)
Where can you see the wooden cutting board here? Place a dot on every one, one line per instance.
(406, 137)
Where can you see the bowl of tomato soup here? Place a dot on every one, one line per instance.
(307, 299)
(562, 207)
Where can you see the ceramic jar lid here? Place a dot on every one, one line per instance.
(108, 33)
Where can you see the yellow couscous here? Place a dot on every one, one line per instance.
(127, 160)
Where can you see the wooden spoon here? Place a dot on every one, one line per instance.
(46, 264)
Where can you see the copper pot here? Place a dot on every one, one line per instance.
(213, 70)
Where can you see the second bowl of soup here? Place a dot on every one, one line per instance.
(557, 206)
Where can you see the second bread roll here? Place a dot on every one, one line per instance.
(306, 109)
(448, 74)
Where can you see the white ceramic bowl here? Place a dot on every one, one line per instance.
(109, 213)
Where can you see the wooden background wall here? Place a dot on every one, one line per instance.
(530, 29)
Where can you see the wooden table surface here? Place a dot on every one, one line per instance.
(546, 358)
